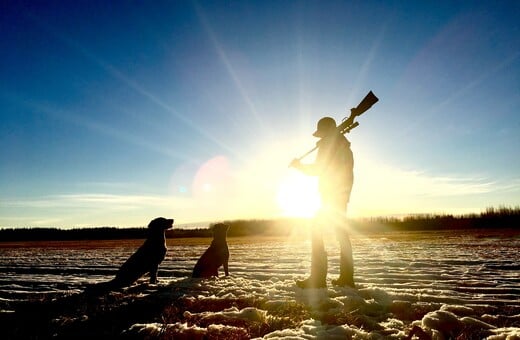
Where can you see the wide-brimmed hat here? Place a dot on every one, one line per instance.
(325, 126)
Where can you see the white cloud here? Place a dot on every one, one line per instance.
(93, 209)
(87, 200)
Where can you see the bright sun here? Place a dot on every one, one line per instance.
(298, 195)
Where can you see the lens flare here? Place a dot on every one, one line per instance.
(213, 179)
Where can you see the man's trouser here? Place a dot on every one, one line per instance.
(333, 214)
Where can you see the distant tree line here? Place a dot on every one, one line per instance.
(278, 227)
(491, 218)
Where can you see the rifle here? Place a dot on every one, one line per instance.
(347, 124)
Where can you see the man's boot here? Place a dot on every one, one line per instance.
(318, 275)
(346, 273)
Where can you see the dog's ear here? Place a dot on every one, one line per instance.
(220, 227)
(215, 228)
(156, 222)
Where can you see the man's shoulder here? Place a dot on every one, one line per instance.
(343, 141)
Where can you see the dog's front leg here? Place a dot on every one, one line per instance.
(225, 264)
(153, 274)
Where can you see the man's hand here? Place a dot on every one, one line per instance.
(295, 163)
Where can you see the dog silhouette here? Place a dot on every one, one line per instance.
(215, 256)
(145, 260)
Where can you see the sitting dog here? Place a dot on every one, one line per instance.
(145, 260)
(215, 256)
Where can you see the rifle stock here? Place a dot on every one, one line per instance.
(367, 102)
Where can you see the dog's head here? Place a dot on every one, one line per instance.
(161, 223)
(220, 230)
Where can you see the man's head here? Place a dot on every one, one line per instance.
(326, 126)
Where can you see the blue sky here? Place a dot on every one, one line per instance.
(113, 113)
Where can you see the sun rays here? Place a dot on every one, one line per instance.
(196, 108)
(294, 194)
(223, 56)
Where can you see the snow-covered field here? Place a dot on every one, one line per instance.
(459, 284)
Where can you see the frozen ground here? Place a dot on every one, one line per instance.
(463, 284)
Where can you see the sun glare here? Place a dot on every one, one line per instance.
(298, 195)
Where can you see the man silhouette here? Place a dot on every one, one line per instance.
(334, 167)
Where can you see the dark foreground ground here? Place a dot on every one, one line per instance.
(83, 316)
